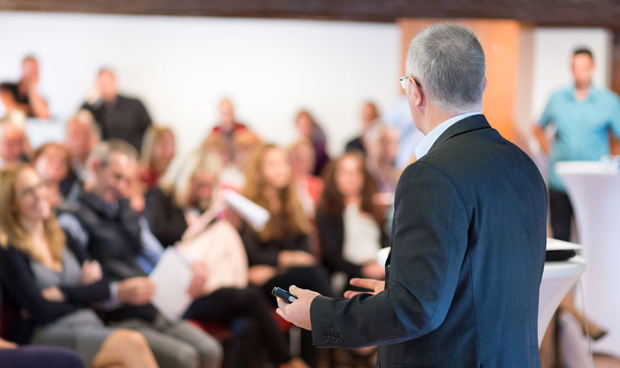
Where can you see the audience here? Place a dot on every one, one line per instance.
(350, 224)
(369, 117)
(13, 142)
(24, 95)
(53, 163)
(51, 282)
(158, 150)
(227, 299)
(117, 116)
(82, 136)
(227, 128)
(382, 149)
(309, 187)
(309, 129)
(103, 222)
(279, 254)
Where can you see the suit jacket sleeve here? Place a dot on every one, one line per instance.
(429, 243)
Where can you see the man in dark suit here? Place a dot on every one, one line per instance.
(468, 238)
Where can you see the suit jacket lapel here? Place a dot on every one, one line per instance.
(470, 124)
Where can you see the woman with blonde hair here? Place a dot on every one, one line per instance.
(158, 150)
(51, 283)
(279, 254)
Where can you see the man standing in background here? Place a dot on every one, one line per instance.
(118, 116)
(585, 118)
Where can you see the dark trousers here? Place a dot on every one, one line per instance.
(560, 214)
(247, 313)
(39, 356)
(313, 278)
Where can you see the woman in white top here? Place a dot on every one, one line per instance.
(349, 223)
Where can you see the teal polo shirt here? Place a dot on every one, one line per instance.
(581, 127)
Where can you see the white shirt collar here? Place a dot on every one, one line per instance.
(427, 142)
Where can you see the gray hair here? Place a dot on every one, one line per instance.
(104, 150)
(448, 62)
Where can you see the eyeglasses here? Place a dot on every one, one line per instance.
(403, 81)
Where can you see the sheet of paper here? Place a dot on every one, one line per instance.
(172, 275)
(254, 214)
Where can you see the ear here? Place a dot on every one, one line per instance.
(485, 84)
(417, 95)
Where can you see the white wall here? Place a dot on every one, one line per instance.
(553, 49)
(181, 66)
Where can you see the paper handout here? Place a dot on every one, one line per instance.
(172, 275)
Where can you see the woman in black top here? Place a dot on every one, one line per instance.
(36, 356)
(50, 283)
(349, 223)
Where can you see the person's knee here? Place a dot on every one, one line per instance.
(132, 340)
(211, 354)
(184, 356)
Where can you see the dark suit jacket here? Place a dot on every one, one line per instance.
(468, 250)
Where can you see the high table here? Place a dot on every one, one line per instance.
(594, 189)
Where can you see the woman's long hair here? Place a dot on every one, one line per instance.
(14, 232)
(290, 219)
(332, 201)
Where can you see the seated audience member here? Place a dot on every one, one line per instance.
(350, 224)
(369, 118)
(233, 174)
(309, 187)
(227, 299)
(117, 116)
(36, 356)
(279, 254)
(382, 149)
(158, 150)
(227, 127)
(103, 222)
(13, 143)
(53, 162)
(52, 284)
(309, 129)
(82, 135)
(24, 95)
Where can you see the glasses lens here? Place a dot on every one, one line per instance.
(403, 82)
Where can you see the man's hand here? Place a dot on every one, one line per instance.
(91, 272)
(298, 312)
(375, 285)
(199, 277)
(53, 294)
(136, 291)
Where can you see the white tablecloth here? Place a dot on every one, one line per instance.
(594, 189)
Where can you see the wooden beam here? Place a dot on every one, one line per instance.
(595, 13)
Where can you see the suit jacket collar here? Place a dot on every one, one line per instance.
(470, 124)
